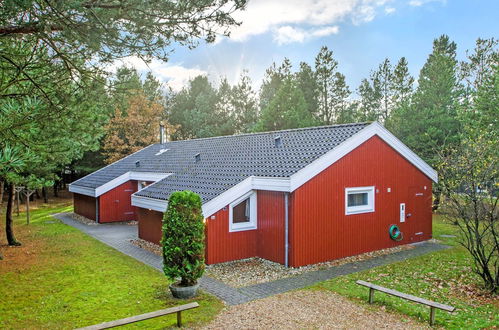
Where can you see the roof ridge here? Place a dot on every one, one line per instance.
(271, 132)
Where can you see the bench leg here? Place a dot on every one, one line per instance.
(432, 316)
(179, 319)
(371, 295)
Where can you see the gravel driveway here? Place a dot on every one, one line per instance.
(306, 309)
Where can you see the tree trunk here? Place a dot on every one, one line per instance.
(437, 193)
(37, 193)
(9, 230)
(1, 192)
(56, 194)
(44, 194)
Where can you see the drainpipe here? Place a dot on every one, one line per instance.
(286, 230)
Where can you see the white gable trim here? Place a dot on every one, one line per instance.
(299, 178)
(139, 176)
(149, 203)
(82, 190)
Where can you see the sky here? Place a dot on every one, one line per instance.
(361, 34)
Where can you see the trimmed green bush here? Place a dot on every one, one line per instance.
(183, 238)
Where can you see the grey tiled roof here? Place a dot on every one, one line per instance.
(225, 161)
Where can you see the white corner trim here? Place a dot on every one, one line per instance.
(82, 190)
(149, 203)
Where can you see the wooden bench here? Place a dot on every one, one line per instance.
(142, 317)
(432, 304)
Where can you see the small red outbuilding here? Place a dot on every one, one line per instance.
(296, 197)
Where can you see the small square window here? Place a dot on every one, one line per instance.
(242, 213)
(359, 200)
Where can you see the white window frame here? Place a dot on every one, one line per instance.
(252, 224)
(361, 208)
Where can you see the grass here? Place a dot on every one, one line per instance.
(61, 278)
(443, 276)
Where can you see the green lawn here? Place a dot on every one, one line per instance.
(61, 278)
(443, 276)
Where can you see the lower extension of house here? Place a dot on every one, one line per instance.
(296, 197)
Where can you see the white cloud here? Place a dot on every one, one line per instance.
(288, 34)
(262, 16)
(175, 76)
(389, 10)
(418, 3)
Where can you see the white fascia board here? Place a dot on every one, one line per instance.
(270, 183)
(112, 184)
(407, 153)
(148, 176)
(82, 190)
(227, 197)
(332, 156)
(140, 176)
(101, 169)
(149, 203)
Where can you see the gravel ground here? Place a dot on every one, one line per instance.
(82, 219)
(307, 309)
(151, 247)
(251, 271)
(89, 222)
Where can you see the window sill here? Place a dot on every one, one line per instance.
(359, 211)
(242, 228)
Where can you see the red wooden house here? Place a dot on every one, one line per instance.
(296, 197)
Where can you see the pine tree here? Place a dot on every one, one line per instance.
(307, 83)
(432, 120)
(287, 109)
(245, 106)
(333, 91)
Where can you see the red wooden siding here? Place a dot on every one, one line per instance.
(84, 205)
(319, 228)
(223, 245)
(270, 225)
(267, 241)
(116, 204)
(150, 223)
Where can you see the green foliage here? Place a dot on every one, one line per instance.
(183, 238)
(333, 91)
(469, 175)
(443, 276)
(288, 109)
(432, 119)
(105, 30)
(66, 279)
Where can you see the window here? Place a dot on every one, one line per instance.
(242, 213)
(359, 200)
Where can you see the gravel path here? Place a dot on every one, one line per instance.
(307, 309)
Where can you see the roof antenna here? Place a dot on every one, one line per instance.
(278, 141)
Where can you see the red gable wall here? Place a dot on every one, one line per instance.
(319, 228)
(84, 205)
